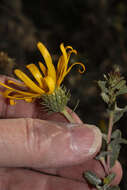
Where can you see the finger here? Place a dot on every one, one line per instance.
(13, 179)
(24, 109)
(76, 172)
(43, 144)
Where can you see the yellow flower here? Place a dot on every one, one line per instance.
(47, 77)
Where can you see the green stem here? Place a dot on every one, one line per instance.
(68, 116)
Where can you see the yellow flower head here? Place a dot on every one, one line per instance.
(47, 77)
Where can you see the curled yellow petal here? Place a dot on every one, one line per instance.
(28, 82)
(76, 63)
(69, 47)
(48, 60)
(36, 73)
(62, 64)
(64, 73)
(70, 52)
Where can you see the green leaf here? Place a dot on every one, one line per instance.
(116, 134)
(104, 91)
(121, 91)
(105, 97)
(92, 178)
(107, 180)
(114, 188)
(102, 155)
(102, 85)
(114, 147)
(120, 141)
(118, 113)
(120, 84)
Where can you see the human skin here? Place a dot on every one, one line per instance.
(43, 151)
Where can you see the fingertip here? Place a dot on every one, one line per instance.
(86, 140)
(117, 169)
(97, 140)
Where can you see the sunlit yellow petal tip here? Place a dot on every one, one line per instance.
(39, 45)
(48, 60)
(83, 68)
(70, 50)
(63, 50)
(74, 51)
(69, 47)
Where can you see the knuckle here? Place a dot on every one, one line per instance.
(33, 136)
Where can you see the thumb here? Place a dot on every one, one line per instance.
(43, 144)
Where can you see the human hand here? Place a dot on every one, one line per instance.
(42, 151)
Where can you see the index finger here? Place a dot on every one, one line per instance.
(24, 109)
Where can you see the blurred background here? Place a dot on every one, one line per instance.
(97, 29)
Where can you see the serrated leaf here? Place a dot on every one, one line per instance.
(108, 179)
(116, 134)
(92, 178)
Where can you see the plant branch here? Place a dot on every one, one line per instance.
(110, 126)
(111, 116)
